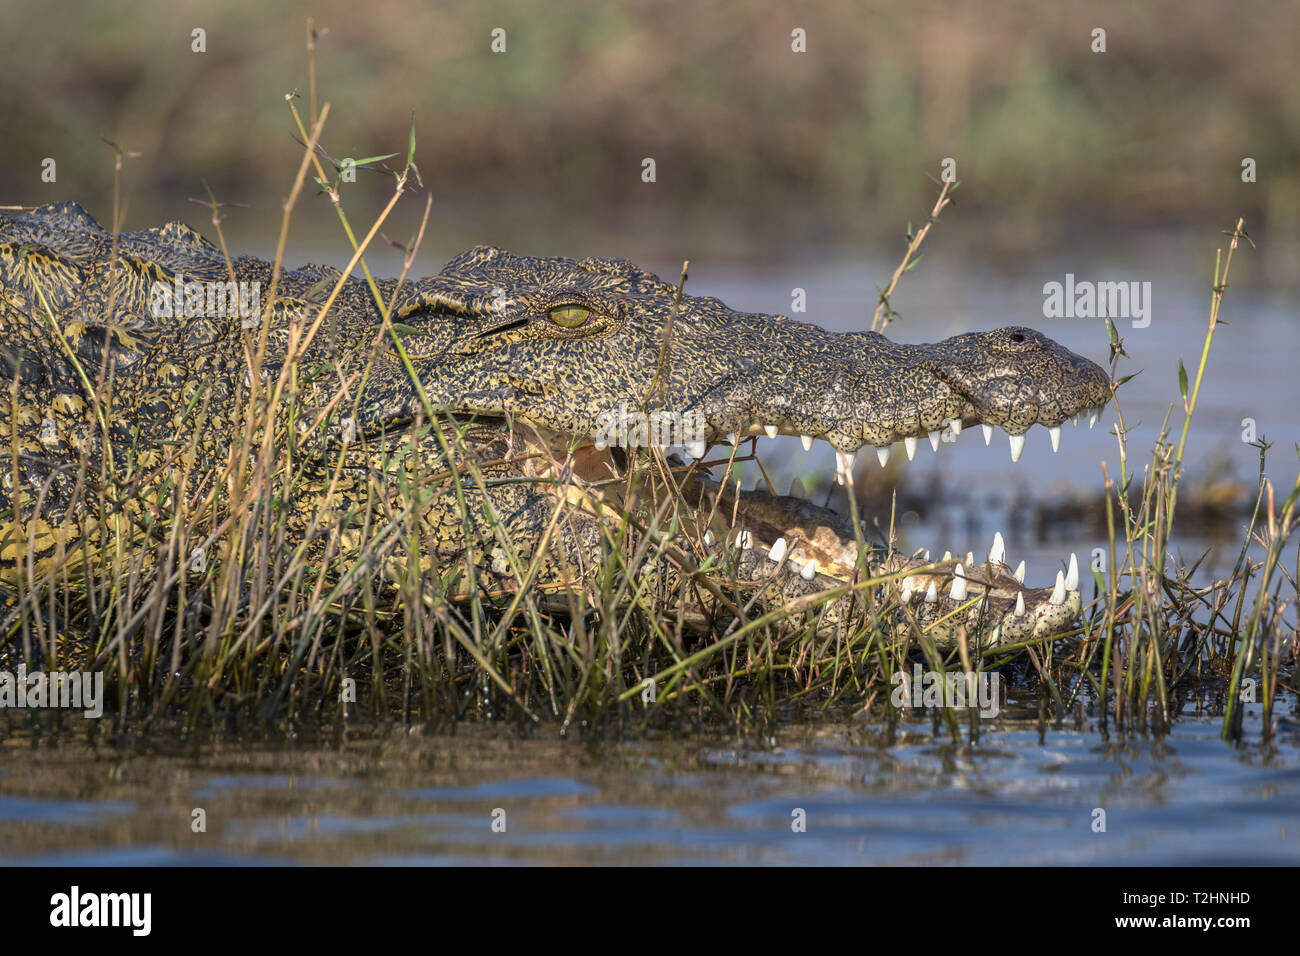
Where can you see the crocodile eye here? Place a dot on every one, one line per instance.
(569, 316)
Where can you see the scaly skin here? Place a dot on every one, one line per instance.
(145, 401)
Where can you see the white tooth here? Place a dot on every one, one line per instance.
(909, 583)
(882, 453)
(1019, 573)
(905, 595)
(958, 592)
(734, 438)
(1020, 605)
(696, 449)
(970, 558)
(934, 439)
(927, 554)
(777, 551)
(931, 595)
(1055, 432)
(709, 539)
(1092, 416)
(1058, 592)
(955, 425)
(1017, 446)
(988, 433)
(1072, 575)
(998, 552)
(796, 489)
(809, 571)
(600, 445)
(807, 442)
(771, 430)
(910, 444)
(1075, 419)
(947, 555)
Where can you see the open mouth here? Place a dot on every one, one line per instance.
(815, 541)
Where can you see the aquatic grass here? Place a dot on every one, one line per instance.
(1162, 618)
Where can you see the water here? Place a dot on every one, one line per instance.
(393, 797)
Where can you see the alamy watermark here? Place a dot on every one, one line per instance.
(133, 911)
(78, 690)
(206, 299)
(1083, 299)
(631, 428)
(951, 689)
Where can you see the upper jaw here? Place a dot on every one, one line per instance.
(941, 419)
(853, 389)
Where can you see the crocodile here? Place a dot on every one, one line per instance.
(499, 387)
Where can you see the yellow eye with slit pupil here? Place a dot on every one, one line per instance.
(569, 316)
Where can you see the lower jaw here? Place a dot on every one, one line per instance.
(811, 534)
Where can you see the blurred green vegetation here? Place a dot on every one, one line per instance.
(746, 134)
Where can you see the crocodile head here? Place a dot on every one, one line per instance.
(597, 352)
(570, 346)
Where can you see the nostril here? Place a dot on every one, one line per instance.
(1017, 337)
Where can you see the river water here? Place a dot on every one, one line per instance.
(832, 792)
